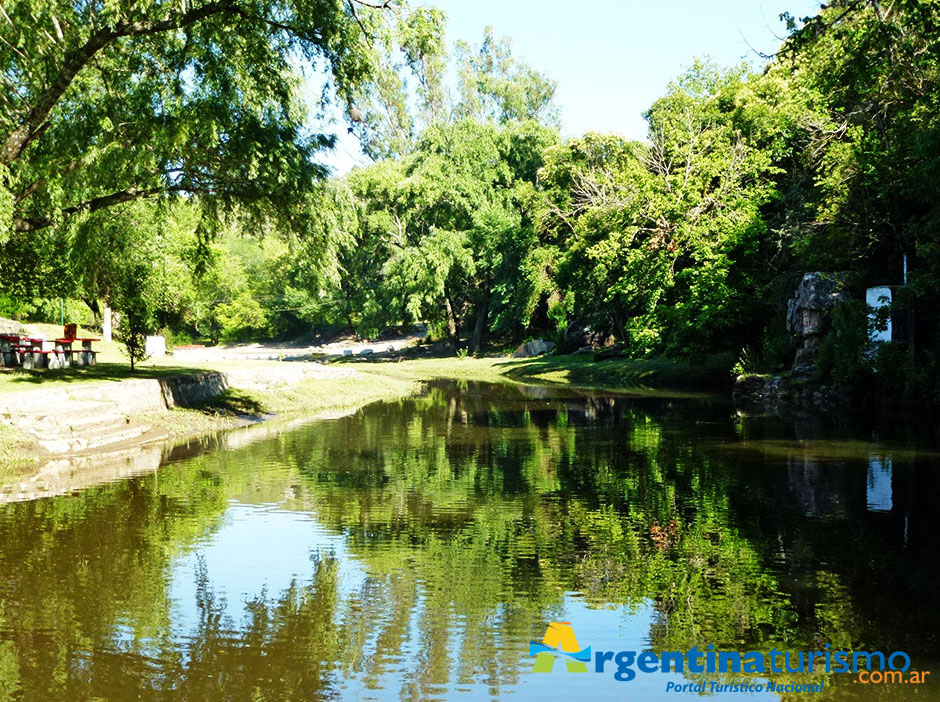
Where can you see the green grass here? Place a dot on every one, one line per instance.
(311, 398)
(647, 376)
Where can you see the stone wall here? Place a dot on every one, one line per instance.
(192, 390)
(155, 394)
(143, 395)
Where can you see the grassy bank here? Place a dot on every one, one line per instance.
(345, 386)
(643, 376)
(329, 395)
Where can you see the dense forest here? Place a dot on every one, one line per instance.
(160, 160)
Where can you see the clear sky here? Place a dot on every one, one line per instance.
(613, 58)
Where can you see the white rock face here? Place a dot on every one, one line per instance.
(809, 314)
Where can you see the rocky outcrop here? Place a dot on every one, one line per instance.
(579, 335)
(809, 315)
(536, 347)
(809, 319)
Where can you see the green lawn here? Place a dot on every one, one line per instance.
(112, 365)
(651, 376)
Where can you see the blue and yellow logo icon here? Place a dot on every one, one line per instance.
(559, 642)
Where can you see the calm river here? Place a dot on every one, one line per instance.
(412, 551)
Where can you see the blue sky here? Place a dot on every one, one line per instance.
(613, 58)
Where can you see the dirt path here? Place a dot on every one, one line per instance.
(294, 352)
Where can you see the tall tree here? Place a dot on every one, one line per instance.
(494, 85)
(410, 91)
(452, 227)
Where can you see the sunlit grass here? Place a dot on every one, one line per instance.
(311, 398)
(624, 375)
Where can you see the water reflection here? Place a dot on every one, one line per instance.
(412, 550)
(879, 495)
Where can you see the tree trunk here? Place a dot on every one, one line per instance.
(479, 329)
(92, 305)
(106, 323)
(451, 322)
(618, 325)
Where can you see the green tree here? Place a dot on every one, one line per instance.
(410, 90)
(450, 227)
(129, 297)
(647, 234)
(852, 96)
(495, 86)
(102, 104)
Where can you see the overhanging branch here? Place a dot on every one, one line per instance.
(27, 224)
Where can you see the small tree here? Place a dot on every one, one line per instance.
(136, 313)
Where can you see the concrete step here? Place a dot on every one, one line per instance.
(51, 431)
(87, 440)
(105, 422)
(74, 413)
(151, 435)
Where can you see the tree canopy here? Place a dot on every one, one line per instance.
(108, 102)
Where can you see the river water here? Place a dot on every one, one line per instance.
(413, 550)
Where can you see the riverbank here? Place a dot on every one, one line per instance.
(277, 393)
(648, 376)
(257, 392)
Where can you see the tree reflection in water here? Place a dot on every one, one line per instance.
(475, 513)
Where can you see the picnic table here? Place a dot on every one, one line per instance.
(20, 350)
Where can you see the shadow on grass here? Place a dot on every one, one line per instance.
(712, 376)
(233, 403)
(86, 374)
